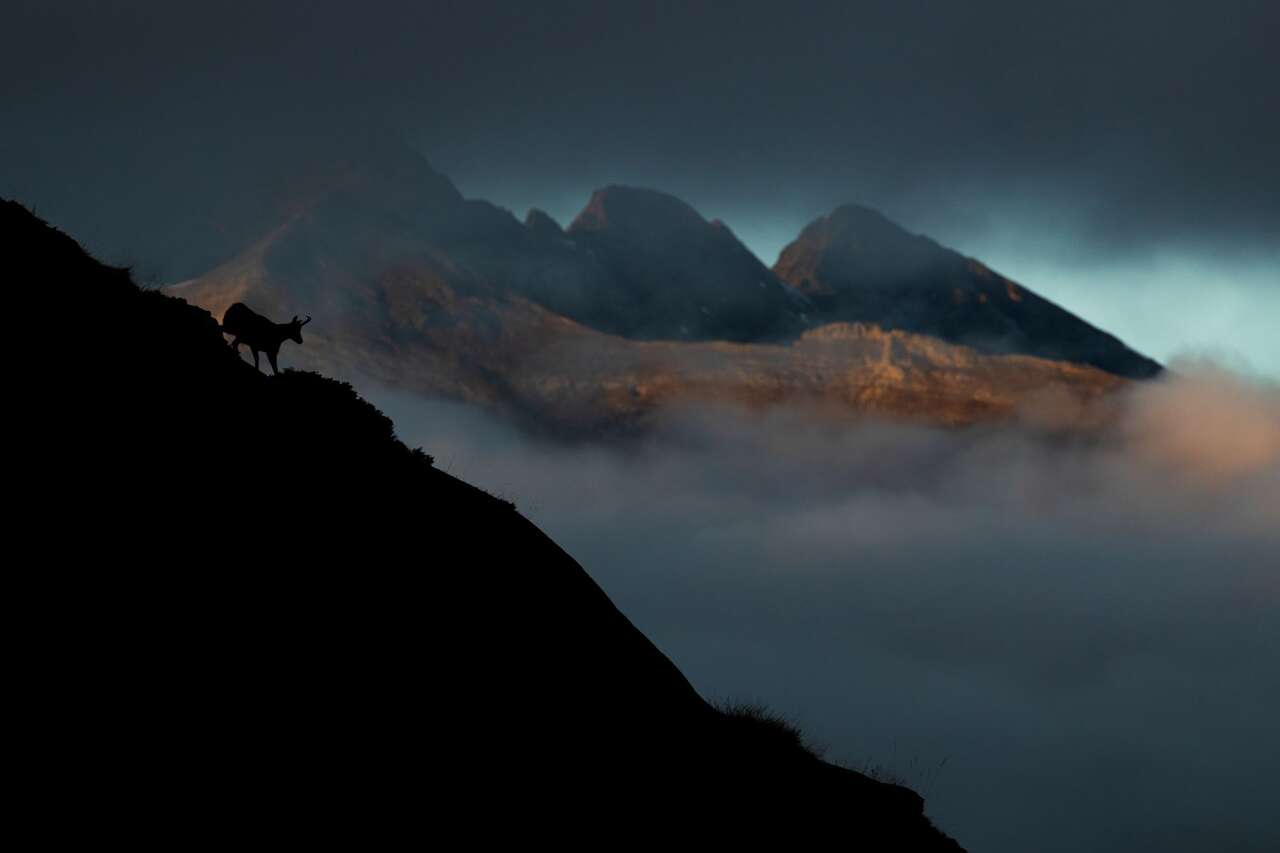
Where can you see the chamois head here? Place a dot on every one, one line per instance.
(295, 328)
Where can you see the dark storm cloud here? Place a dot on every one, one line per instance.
(1086, 635)
(1143, 122)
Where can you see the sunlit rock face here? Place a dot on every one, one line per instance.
(857, 266)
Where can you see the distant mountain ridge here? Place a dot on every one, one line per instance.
(637, 303)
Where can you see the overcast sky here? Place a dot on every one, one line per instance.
(1119, 157)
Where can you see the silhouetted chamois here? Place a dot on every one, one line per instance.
(262, 335)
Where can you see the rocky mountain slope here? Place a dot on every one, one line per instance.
(255, 611)
(675, 276)
(856, 266)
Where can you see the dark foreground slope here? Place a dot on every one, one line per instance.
(254, 614)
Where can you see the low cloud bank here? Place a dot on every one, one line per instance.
(1065, 645)
(1209, 423)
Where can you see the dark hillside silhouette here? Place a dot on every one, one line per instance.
(313, 634)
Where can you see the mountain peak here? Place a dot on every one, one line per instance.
(857, 266)
(634, 210)
(677, 276)
(852, 236)
(851, 213)
(541, 223)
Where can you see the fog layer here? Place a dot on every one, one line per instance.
(1065, 646)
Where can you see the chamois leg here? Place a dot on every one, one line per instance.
(235, 345)
(271, 357)
(255, 359)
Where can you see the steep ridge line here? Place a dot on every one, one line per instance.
(273, 617)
